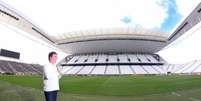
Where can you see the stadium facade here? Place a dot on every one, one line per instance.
(110, 51)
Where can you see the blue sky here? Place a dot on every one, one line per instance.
(173, 18)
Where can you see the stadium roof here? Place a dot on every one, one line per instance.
(100, 25)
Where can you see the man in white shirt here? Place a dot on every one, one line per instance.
(51, 78)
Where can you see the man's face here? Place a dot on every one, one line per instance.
(53, 59)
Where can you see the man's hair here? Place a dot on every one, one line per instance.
(51, 54)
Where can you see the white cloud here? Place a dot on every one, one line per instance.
(148, 15)
(186, 6)
(71, 15)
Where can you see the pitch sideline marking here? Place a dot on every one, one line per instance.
(190, 98)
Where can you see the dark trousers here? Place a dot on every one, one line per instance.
(50, 95)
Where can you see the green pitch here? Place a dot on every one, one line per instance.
(104, 88)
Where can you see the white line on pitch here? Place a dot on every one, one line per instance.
(193, 99)
(177, 94)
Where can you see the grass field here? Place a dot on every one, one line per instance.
(104, 88)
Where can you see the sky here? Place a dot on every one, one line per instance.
(59, 17)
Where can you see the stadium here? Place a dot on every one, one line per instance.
(103, 63)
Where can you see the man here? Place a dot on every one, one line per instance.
(51, 78)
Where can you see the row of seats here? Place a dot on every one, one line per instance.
(11, 67)
(188, 68)
(193, 67)
(112, 70)
(119, 58)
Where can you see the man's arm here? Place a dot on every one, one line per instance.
(60, 74)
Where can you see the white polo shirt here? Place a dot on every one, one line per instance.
(51, 77)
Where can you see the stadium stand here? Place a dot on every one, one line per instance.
(125, 64)
(17, 68)
(112, 64)
(190, 68)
